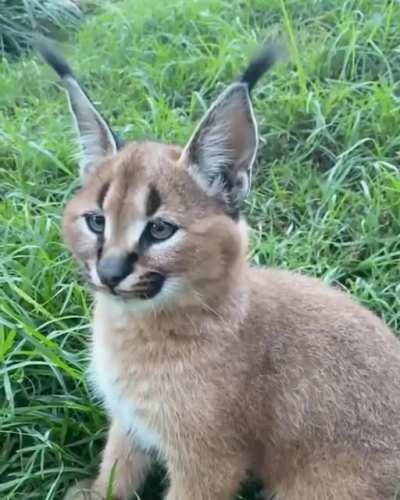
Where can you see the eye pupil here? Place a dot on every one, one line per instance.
(95, 223)
(161, 230)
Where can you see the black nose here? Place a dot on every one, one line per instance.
(115, 268)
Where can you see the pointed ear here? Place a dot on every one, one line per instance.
(95, 136)
(221, 152)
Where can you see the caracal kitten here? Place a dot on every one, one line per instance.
(217, 366)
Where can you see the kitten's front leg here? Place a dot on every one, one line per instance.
(215, 479)
(122, 459)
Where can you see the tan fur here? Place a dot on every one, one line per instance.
(240, 368)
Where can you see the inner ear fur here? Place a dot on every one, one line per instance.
(221, 152)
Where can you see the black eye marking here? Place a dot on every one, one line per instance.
(95, 222)
(153, 202)
(102, 194)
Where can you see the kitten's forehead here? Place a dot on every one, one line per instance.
(144, 178)
(131, 176)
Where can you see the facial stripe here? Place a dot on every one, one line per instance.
(102, 194)
(134, 233)
(153, 202)
(100, 244)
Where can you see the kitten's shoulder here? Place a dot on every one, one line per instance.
(302, 298)
(275, 281)
(294, 303)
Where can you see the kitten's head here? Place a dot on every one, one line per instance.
(157, 224)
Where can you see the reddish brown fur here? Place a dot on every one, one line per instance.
(245, 368)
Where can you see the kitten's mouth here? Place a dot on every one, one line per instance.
(148, 287)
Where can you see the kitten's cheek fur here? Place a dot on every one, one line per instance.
(128, 283)
(78, 238)
(92, 273)
(221, 256)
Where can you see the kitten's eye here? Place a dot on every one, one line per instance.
(95, 222)
(161, 230)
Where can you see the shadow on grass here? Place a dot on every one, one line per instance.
(157, 483)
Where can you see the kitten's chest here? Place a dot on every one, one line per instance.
(131, 397)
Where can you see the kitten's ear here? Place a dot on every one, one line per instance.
(222, 150)
(95, 136)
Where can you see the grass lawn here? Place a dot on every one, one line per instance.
(326, 197)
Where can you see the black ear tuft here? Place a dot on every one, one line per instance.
(222, 150)
(97, 140)
(53, 58)
(260, 64)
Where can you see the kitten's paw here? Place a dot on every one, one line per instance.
(264, 495)
(83, 491)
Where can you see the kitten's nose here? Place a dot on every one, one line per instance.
(113, 269)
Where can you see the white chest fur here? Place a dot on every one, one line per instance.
(124, 393)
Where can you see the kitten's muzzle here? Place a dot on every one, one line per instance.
(113, 269)
(149, 286)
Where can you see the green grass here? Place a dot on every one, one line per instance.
(326, 198)
(21, 19)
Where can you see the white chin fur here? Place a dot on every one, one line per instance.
(172, 289)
